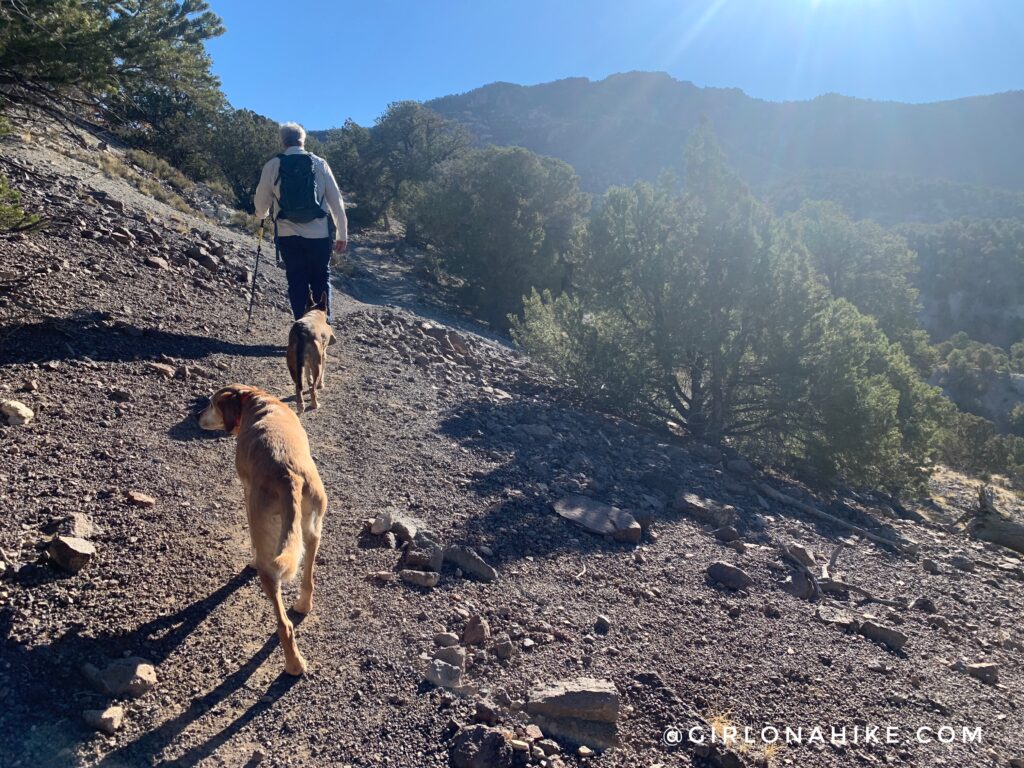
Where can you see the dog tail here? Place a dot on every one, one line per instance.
(296, 364)
(287, 563)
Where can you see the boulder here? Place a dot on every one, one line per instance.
(443, 675)
(381, 524)
(599, 518)
(704, 510)
(71, 552)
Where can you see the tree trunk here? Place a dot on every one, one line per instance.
(989, 525)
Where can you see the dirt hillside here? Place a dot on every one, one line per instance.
(120, 317)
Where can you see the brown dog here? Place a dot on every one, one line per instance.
(307, 349)
(284, 498)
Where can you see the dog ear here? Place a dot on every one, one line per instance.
(310, 302)
(230, 406)
(332, 339)
(323, 301)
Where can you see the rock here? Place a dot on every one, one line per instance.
(925, 604)
(837, 616)
(504, 648)
(381, 524)
(887, 636)
(424, 554)
(140, 499)
(425, 579)
(477, 631)
(108, 720)
(479, 746)
(454, 655)
(131, 676)
(603, 625)
(599, 518)
(80, 525)
(584, 698)
(71, 553)
(120, 395)
(729, 575)
(443, 675)
(802, 554)
(156, 262)
(167, 371)
(962, 563)
(740, 467)
(17, 414)
(706, 452)
(573, 731)
(930, 566)
(799, 585)
(726, 533)
(446, 639)
(404, 529)
(584, 751)
(469, 562)
(486, 712)
(704, 510)
(549, 746)
(986, 671)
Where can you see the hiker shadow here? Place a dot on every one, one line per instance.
(97, 337)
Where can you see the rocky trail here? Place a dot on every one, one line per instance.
(506, 578)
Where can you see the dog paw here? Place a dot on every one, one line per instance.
(295, 666)
(304, 604)
(314, 405)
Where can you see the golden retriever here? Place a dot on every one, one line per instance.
(285, 500)
(307, 350)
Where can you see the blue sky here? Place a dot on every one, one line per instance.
(321, 62)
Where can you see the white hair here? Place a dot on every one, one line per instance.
(292, 134)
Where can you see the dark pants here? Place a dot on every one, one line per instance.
(307, 264)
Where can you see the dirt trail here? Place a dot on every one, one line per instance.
(475, 450)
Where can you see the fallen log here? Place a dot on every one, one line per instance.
(908, 548)
(988, 524)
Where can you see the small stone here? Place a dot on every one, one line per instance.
(729, 575)
(381, 524)
(446, 639)
(424, 554)
(584, 751)
(404, 529)
(727, 533)
(603, 625)
(802, 554)
(504, 648)
(167, 371)
(108, 720)
(469, 562)
(486, 712)
(120, 395)
(584, 698)
(887, 636)
(18, 414)
(477, 631)
(425, 579)
(156, 262)
(443, 675)
(930, 566)
(518, 745)
(71, 553)
(454, 655)
(987, 672)
(550, 746)
(130, 676)
(962, 563)
(140, 499)
(925, 604)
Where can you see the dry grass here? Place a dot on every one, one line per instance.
(730, 733)
(114, 167)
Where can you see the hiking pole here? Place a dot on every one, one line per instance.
(255, 274)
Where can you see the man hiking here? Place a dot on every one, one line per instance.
(298, 188)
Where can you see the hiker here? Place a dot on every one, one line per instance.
(300, 189)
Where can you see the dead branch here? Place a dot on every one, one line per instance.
(905, 548)
(987, 523)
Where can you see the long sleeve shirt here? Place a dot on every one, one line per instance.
(268, 192)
